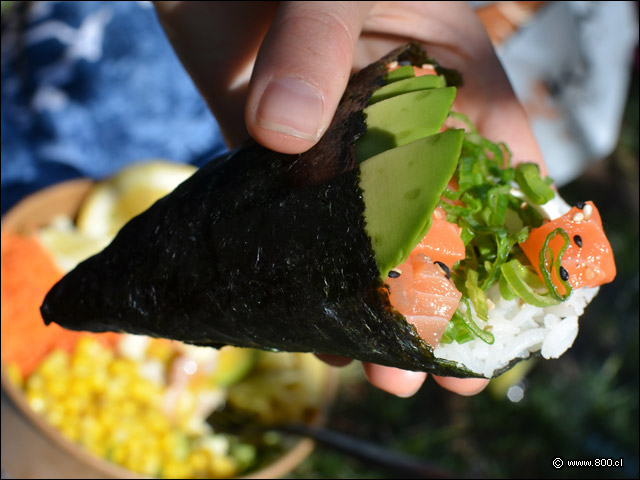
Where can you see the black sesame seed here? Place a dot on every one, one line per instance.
(580, 205)
(394, 273)
(564, 275)
(447, 273)
(578, 240)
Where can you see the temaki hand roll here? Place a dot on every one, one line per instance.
(364, 246)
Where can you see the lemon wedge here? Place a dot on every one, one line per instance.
(115, 201)
(67, 245)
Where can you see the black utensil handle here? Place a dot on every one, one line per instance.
(402, 465)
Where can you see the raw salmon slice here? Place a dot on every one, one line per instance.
(425, 295)
(589, 258)
(442, 242)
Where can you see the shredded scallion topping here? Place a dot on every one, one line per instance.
(548, 262)
(462, 328)
(522, 281)
(493, 223)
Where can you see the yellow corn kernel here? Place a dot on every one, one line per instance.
(37, 401)
(35, 383)
(144, 391)
(157, 422)
(185, 406)
(15, 375)
(115, 390)
(121, 367)
(199, 462)
(150, 463)
(70, 430)
(174, 469)
(81, 366)
(74, 406)
(135, 458)
(80, 388)
(167, 442)
(55, 415)
(90, 429)
(99, 449)
(150, 443)
(160, 349)
(98, 382)
(175, 445)
(103, 358)
(54, 364)
(107, 419)
(120, 435)
(119, 454)
(128, 408)
(88, 347)
(132, 462)
(57, 388)
(138, 430)
(222, 466)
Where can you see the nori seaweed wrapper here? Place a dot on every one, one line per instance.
(257, 249)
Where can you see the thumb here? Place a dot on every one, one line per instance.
(301, 72)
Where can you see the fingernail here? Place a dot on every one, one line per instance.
(291, 106)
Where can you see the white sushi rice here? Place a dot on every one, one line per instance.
(521, 329)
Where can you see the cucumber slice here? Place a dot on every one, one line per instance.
(402, 119)
(407, 85)
(399, 74)
(401, 188)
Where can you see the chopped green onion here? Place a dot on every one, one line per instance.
(498, 202)
(502, 253)
(529, 215)
(486, 337)
(531, 183)
(470, 127)
(547, 262)
(505, 290)
(524, 282)
(450, 194)
(494, 221)
(519, 237)
(476, 295)
(457, 331)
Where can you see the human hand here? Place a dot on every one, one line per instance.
(277, 71)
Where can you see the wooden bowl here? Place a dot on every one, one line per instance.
(31, 447)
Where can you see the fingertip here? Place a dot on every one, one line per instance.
(334, 360)
(402, 383)
(462, 386)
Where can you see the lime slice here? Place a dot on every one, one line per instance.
(115, 201)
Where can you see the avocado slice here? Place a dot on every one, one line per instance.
(407, 85)
(401, 188)
(402, 119)
(401, 73)
(234, 363)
